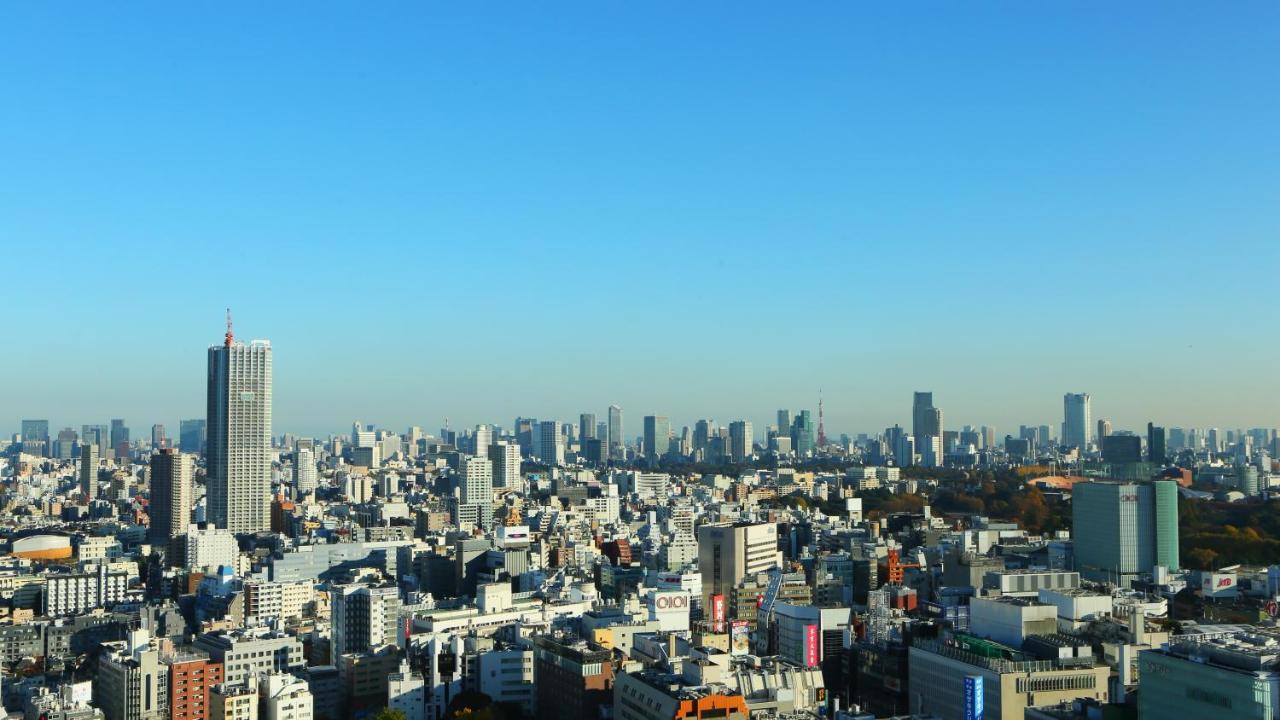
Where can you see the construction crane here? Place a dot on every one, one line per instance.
(895, 568)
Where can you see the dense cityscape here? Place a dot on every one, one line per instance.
(639, 361)
(552, 569)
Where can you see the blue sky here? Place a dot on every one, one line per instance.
(482, 210)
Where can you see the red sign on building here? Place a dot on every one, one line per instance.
(811, 645)
(717, 613)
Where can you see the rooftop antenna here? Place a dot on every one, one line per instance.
(228, 340)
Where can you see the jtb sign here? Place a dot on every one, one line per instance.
(973, 697)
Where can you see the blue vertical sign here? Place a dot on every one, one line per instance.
(973, 697)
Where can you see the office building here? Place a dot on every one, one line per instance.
(131, 683)
(364, 618)
(657, 436)
(475, 506)
(191, 436)
(504, 457)
(481, 439)
(305, 474)
(506, 675)
(784, 422)
(1104, 429)
(740, 441)
(98, 435)
(284, 697)
(233, 702)
(586, 426)
(1228, 674)
(239, 435)
(191, 677)
(35, 437)
(802, 439)
(1123, 530)
(158, 437)
(574, 679)
(119, 438)
(64, 447)
(550, 443)
(1156, 448)
(407, 692)
(727, 554)
(617, 444)
(171, 495)
(1121, 448)
(1075, 420)
(89, 471)
(926, 420)
(246, 654)
(1009, 681)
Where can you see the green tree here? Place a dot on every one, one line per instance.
(387, 713)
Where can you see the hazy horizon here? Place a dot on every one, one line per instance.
(479, 212)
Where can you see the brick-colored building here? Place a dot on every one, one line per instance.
(190, 677)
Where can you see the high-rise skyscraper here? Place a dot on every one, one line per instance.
(926, 420)
(550, 444)
(617, 444)
(119, 437)
(171, 495)
(740, 440)
(586, 426)
(802, 434)
(191, 436)
(158, 437)
(481, 439)
(657, 436)
(505, 458)
(784, 422)
(89, 471)
(98, 435)
(305, 476)
(239, 435)
(476, 497)
(1075, 420)
(1104, 429)
(920, 403)
(35, 437)
(1155, 444)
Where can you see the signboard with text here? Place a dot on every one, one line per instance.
(811, 646)
(740, 637)
(973, 697)
(717, 612)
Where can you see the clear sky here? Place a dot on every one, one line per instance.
(483, 210)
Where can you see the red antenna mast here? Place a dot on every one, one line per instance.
(822, 433)
(228, 340)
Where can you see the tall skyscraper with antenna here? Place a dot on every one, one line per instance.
(239, 434)
(822, 431)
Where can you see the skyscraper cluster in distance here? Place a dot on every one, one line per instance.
(551, 568)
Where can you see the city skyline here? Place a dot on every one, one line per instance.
(635, 419)
(480, 212)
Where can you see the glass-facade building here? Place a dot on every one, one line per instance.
(1124, 529)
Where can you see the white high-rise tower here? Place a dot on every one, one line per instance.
(239, 435)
